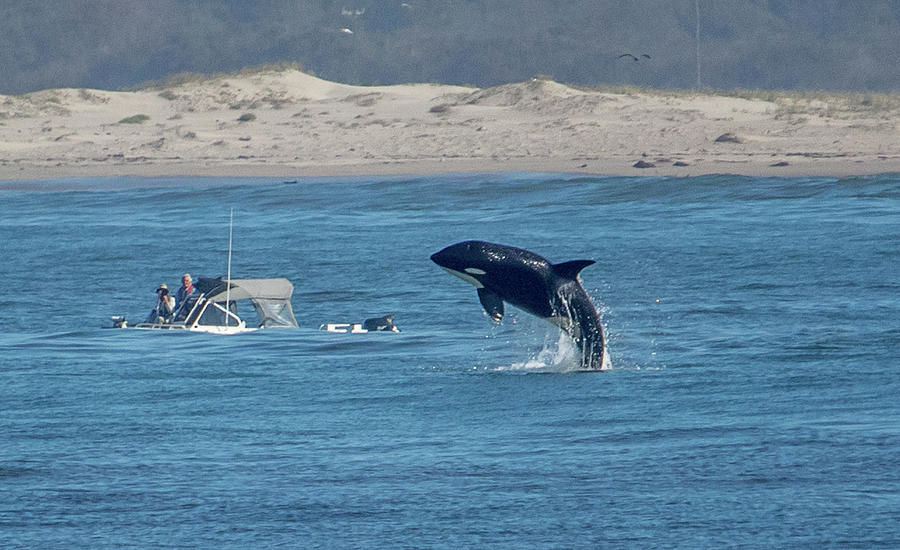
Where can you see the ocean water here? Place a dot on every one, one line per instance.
(754, 399)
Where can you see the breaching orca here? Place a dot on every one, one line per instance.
(531, 283)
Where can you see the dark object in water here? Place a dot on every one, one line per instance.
(381, 323)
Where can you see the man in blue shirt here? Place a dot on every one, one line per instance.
(186, 289)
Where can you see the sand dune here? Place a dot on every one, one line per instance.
(286, 123)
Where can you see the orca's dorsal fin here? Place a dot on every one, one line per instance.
(570, 270)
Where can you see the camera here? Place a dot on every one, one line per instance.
(162, 291)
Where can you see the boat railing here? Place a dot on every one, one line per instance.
(196, 310)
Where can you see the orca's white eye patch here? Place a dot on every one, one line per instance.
(475, 271)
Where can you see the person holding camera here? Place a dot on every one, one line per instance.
(165, 305)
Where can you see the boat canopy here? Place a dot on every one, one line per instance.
(270, 297)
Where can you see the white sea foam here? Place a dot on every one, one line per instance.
(558, 354)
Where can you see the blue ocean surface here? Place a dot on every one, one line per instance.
(754, 399)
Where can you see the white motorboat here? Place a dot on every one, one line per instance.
(213, 308)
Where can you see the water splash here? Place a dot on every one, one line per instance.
(558, 354)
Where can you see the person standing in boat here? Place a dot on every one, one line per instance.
(182, 295)
(186, 289)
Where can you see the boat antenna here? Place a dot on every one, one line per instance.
(228, 269)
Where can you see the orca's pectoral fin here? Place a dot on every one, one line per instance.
(492, 304)
(570, 270)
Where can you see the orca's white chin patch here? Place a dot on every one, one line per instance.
(466, 277)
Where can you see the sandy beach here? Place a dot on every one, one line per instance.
(286, 123)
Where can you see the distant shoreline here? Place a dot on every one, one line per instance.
(830, 168)
(288, 124)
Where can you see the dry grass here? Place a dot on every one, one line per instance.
(181, 79)
(135, 119)
(838, 105)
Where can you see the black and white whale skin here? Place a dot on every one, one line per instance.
(531, 283)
